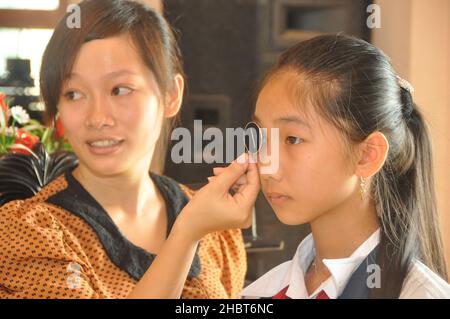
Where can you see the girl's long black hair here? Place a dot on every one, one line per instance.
(354, 86)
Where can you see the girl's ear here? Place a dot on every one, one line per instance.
(373, 152)
(175, 98)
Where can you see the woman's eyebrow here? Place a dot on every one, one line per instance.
(120, 73)
(108, 75)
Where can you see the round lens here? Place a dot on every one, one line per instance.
(252, 138)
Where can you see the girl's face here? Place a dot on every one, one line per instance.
(315, 174)
(109, 108)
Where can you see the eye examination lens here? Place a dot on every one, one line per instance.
(253, 138)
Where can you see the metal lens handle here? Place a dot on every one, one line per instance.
(253, 138)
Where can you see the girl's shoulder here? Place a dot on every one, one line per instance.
(422, 283)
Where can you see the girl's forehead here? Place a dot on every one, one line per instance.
(284, 96)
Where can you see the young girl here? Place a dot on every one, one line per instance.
(354, 162)
(95, 231)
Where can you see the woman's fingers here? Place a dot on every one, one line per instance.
(235, 187)
(231, 174)
(249, 191)
(213, 208)
(241, 181)
(218, 170)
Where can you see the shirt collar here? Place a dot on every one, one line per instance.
(343, 268)
(292, 273)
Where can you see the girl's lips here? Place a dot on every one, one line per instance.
(97, 149)
(277, 198)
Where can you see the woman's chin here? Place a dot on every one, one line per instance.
(104, 167)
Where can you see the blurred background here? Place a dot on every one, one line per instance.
(228, 45)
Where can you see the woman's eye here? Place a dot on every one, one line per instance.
(293, 140)
(73, 95)
(121, 90)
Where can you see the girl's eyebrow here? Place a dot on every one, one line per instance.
(292, 119)
(284, 120)
(255, 119)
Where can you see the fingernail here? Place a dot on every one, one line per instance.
(242, 159)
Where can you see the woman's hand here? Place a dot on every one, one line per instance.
(213, 208)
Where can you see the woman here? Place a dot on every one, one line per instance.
(94, 231)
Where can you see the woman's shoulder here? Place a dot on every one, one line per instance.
(34, 238)
(36, 203)
(422, 283)
(33, 220)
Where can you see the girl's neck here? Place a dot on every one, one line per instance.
(127, 193)
(340, 231)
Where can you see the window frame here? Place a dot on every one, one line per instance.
(33, 19)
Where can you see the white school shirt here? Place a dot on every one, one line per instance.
(420, 282)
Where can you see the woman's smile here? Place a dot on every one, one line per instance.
(105, 146)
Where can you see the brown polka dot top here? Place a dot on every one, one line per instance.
(61, 243)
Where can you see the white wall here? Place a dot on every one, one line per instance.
(416, 34)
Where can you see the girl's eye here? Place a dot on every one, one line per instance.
(121, 90)
(293, 140)
(73, 95)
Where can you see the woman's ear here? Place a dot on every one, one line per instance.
(175, 97)
(373, 152)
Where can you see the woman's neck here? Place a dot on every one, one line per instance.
(129, 194)
(340, 231)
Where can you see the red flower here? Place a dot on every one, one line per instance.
(26, 139)
(59, 129)
(4, 107)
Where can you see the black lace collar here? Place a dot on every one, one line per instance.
(124, 254)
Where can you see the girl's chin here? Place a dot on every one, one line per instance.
(291, 218)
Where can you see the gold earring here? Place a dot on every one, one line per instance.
(362, 185)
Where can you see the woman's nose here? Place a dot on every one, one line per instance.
(100, 114)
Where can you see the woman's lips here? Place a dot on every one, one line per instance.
(277, 198)
(104, 146)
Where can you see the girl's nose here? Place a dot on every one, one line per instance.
(269, 156)
(274, 174)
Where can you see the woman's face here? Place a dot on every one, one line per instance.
(315, 173)
(109, 108)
